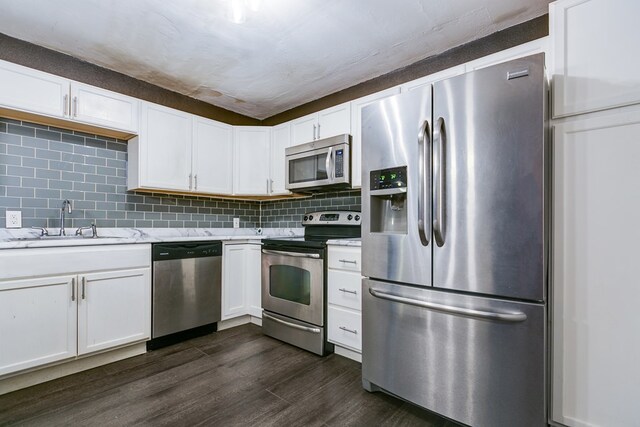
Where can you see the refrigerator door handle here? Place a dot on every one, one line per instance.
(513, 317)
(439, 137)
(424, 172)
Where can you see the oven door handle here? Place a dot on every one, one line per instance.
(293, 254)
(292, 325)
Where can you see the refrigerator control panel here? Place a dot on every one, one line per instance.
(384, 179)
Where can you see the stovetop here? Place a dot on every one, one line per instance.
(320, 227)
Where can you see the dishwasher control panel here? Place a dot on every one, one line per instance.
(181, 250)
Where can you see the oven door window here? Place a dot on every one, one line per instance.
(308, 169)
(290, 283)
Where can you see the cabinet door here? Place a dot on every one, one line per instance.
(525, 49)
(234, 301)
(29, 90)
(596, 338)
(356, 139)
(253, 279)
(37, 322)
(165, 148)
(280, 140)
(212, 157)
(104, 108)
(114, 308)
(334, 121)
(594, 64)
(251, 156)
(304, 129)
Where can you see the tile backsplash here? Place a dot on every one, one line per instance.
(42, 165)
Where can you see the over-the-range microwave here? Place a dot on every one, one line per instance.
(319, 165)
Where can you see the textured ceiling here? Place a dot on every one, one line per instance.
(287, 53)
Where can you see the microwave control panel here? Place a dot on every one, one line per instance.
(339, 164)
(385, 179)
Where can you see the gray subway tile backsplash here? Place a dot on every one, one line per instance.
(41, 165)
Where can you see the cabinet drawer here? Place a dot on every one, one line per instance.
(345, 328)
(345, 289)
(345, 258)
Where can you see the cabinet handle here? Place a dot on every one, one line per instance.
(190, 181)
(318, 130)
(348, 291)
(353, 331)
(65, 103)
(347, 261)
(195, 182)
(73, 289)
(75, 106)
(314, 132)
(84, 285)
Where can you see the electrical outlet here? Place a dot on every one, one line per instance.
(14, 219)
(236, 222)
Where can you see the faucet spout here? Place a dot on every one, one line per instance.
(66, 205)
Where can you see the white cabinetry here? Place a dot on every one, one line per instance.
(324, 124)
(525, 49)
(83, 300)
(43, 94)
(356, 122)
(160, 157)
(596, 338)
(212, 161)
(241, 290)
(344, 284)
(280, 140)
(251, 145)
(594, 60)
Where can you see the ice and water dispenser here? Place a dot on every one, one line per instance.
(388, 192)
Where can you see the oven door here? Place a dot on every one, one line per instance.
(293, 284)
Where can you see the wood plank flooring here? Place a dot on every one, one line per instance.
(236, 377)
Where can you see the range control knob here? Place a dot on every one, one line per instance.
(310, 217)
(306, 217)
(349, 217)
(357, 217)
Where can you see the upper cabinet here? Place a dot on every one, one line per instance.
(324, 124)
(594, 67)
(160, 157)
(37, 94)
(525, 49)
(280, 140)
(212, 158)
(356, 141)
(251, 146)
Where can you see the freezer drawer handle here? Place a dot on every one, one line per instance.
(480, 314)
(353, 331)
(293, 254)
(292, 325)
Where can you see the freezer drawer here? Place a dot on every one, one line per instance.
(480, 361)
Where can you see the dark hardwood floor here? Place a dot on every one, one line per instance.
(236, 377)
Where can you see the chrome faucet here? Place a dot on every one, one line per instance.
(66, 204)
(92, 227)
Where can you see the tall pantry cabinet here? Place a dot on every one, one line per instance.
(596, 205)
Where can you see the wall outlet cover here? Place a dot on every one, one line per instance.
(236, 222)
(13, 219)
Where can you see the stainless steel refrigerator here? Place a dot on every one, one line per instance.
(455, 245)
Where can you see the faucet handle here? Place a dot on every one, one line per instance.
(92, 227)
(43, 230)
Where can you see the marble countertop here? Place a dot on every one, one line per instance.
(345, 242)
(28, 238)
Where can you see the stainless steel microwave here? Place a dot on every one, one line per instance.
(319, 164)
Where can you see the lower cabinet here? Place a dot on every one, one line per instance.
(344, 286)
(56, 317)
(241, 287)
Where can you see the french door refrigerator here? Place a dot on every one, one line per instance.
(454, 243)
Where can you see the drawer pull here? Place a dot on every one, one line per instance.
(348, 261)
(348, 291)
(353, 331)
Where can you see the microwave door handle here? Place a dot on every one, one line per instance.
(327, 163)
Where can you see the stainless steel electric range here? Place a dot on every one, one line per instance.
(294, 280)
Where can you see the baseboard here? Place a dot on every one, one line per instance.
(349, 354)
(63, 369)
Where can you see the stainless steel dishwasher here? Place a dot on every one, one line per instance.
(187, 286)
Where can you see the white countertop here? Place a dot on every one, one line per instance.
(345, 242)
(28, 238)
